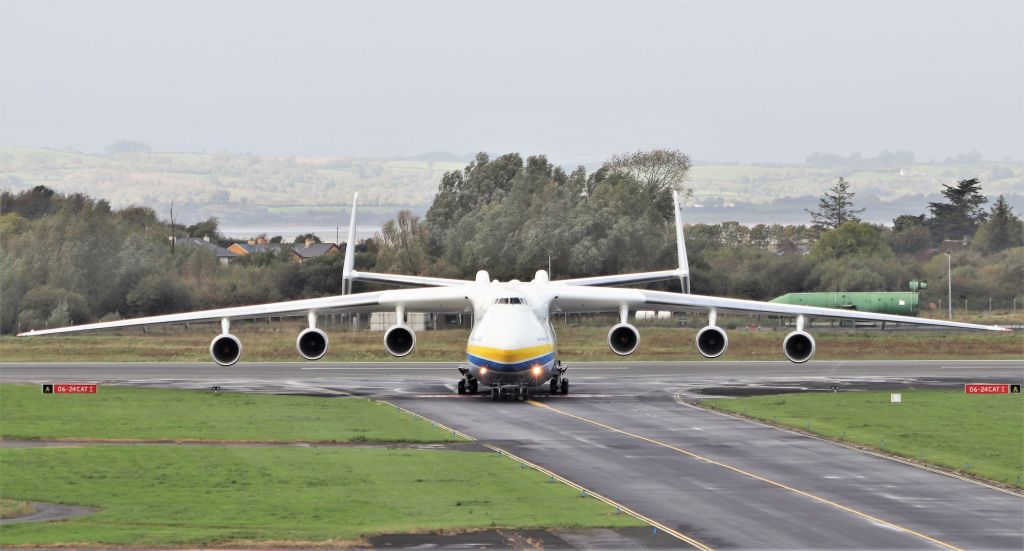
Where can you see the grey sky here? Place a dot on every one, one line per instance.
(752, 81)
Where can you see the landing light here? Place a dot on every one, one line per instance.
(536, 371)
(483, 371)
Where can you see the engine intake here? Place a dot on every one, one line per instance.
(798, 346)
(311, 344)
(712, 341)
(399, 340)
(623, 339)
(226, 349)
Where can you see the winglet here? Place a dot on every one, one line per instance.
(350, 251)
(684, 263)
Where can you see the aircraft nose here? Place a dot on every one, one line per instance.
(510, 336)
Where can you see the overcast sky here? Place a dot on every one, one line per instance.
(749, 81)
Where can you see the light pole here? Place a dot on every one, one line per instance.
(949, 282)
(549, 265)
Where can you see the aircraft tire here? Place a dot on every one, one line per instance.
(524, 394)
(565, 386)
(473, 387)
(495, 394)
(553, 387)
(462, 386)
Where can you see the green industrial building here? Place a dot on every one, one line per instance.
(900, 303)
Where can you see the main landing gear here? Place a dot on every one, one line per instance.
(559, 384)
(467, 383)
(471, 386)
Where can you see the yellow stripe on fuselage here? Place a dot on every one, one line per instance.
(509, 356)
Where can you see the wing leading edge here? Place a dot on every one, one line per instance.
(428, 299)
(579, 299)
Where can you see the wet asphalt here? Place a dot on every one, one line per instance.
(629, 432)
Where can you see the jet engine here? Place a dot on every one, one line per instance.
(798, 346)
(226, 349)
(399, 340)
(311, 343)
(712, 341)
(623, 339)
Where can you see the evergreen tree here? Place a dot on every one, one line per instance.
(836, 207)
(1002, 231)
(962, 212)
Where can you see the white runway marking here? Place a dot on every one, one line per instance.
(371, 368)
(1018, 367)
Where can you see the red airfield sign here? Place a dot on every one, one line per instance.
(986, 389)
(52, 388)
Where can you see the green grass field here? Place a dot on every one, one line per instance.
(979, 435)
(152, 414)
(276, 342)
(205, 495)
(174, 495)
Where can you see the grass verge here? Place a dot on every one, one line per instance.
(167, 495)
(276, 342)
(154, 414)
(173, 495)
(981, 435)
(10, 508)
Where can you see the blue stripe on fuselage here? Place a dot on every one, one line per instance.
(512, 367)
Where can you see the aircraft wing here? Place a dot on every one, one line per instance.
(440, 300)
(591, 299)
(621, 279)
(408, 280)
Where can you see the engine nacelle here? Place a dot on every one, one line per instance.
(311, 344)
(623, 339)
(798, 346)
(712, 341)
(399, 340)
(226, 349)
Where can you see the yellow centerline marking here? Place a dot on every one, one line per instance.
(754, 476)
(674, 533)
(792, 430)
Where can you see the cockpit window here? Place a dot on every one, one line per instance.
(511, 300)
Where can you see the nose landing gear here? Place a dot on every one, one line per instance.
(503, 393)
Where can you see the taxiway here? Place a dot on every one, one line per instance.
(629, 432)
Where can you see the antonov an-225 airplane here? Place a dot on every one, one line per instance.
(511, 347)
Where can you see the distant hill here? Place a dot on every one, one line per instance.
(234, 187)
(250, 189)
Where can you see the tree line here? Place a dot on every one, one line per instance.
(69, 258)
(513, 216)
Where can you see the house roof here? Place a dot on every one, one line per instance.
(314, 249)
(259, 247)
(217, 250)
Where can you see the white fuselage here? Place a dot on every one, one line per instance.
(512, 341)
